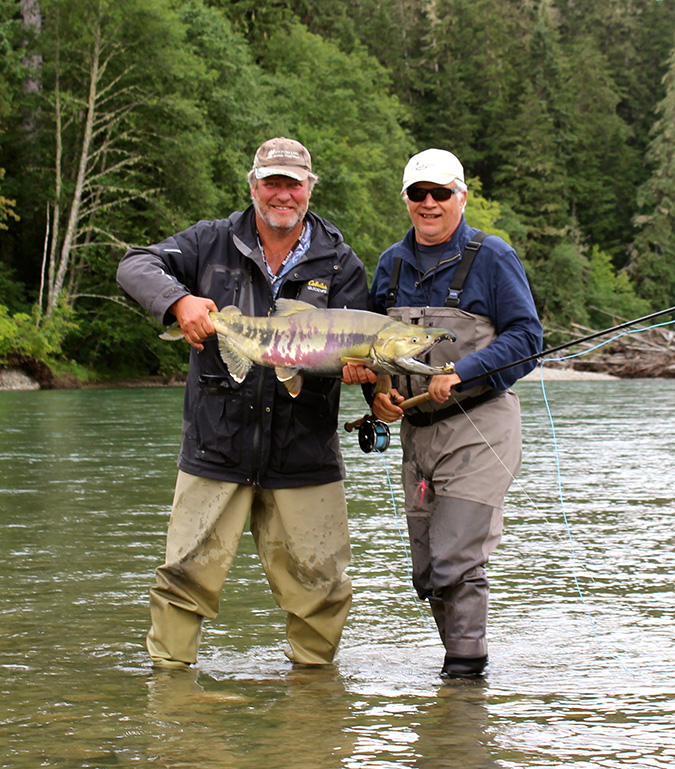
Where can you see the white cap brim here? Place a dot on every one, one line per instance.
(433, 165)
(432, 178)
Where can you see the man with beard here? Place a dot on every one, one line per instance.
(248, 448)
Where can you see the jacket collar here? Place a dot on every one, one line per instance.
(325, 237)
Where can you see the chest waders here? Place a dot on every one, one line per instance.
(455, 472)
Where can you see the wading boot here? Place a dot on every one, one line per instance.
(463, 667)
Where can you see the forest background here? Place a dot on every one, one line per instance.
(123, 121)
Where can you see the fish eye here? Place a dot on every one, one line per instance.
(415, 340)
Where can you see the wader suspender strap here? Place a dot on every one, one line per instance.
(457, 285)
(457, 282)
(392, 291)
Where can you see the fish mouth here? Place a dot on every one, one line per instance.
(413, 363)
(415, 366)
(447, 336)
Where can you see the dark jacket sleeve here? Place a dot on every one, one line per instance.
(156, 276)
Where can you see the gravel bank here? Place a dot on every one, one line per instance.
(551, 374)
(14, 379)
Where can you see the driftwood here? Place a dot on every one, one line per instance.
(639, 354)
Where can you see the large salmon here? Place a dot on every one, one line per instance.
(302, 339)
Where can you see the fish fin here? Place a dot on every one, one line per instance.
(286, 307)
(230, 309)
(237, 363)
(294, 385)
(383, 384)
(284, 373)
(357, 361)
(173, 333)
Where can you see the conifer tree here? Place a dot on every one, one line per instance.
(654, 251)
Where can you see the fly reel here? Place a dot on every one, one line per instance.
(374, 435)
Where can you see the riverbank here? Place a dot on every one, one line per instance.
(549, 373)
(16, 379)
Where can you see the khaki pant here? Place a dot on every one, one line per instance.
(302, 539)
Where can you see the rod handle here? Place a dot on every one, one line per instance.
(406, 404)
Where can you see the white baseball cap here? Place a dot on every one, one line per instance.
(436, 166)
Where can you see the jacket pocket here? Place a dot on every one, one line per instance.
(216, 427)
(302, 435)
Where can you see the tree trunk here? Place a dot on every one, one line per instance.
(31, 16)
(76, 202)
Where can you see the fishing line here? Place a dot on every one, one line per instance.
(559, 474)
(520, 485)
(559, 479)
(420, 608)
(569, 528)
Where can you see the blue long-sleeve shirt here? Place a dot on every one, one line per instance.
(496, 288)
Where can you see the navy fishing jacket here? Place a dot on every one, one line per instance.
(251, 432)
(496, 288)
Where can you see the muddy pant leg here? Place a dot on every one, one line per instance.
(303, 541)
(207, 521)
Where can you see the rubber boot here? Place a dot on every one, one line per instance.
(463, 667)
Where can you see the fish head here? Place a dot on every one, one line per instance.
(399, 345)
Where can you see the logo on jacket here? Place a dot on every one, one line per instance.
(317, 285)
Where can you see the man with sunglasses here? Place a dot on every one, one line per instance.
(462, 447)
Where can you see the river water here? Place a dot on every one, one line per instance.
(582, 631)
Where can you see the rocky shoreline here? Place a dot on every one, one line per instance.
(13, 378)
(650, 356)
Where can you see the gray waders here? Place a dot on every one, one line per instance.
(459, 459)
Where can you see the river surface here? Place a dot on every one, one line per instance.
(582, 618)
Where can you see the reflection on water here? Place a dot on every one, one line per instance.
(582, 670)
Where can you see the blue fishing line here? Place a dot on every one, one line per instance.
(559, 475)
(567, 524)
(403, 540)
(560, 490)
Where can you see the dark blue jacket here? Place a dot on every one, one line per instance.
(252, 432)
(496, 288)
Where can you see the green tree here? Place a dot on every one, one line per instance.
(99, 127)
(559, 286)
(337, 104)
(6, 207)
(610, 293)
(196, 165)
(595, 149)
(652, 258)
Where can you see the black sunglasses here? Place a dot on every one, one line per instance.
(418, 194)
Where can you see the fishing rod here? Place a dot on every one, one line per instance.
(564, 346)
(374, 434)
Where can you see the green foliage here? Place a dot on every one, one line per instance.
(22, 334)
(484, 214)
(6, 207)
(338, 106)
(610, 293)
(558, 111)
(12, 70)
(558, 287)
(116, 340)
(652, 258)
